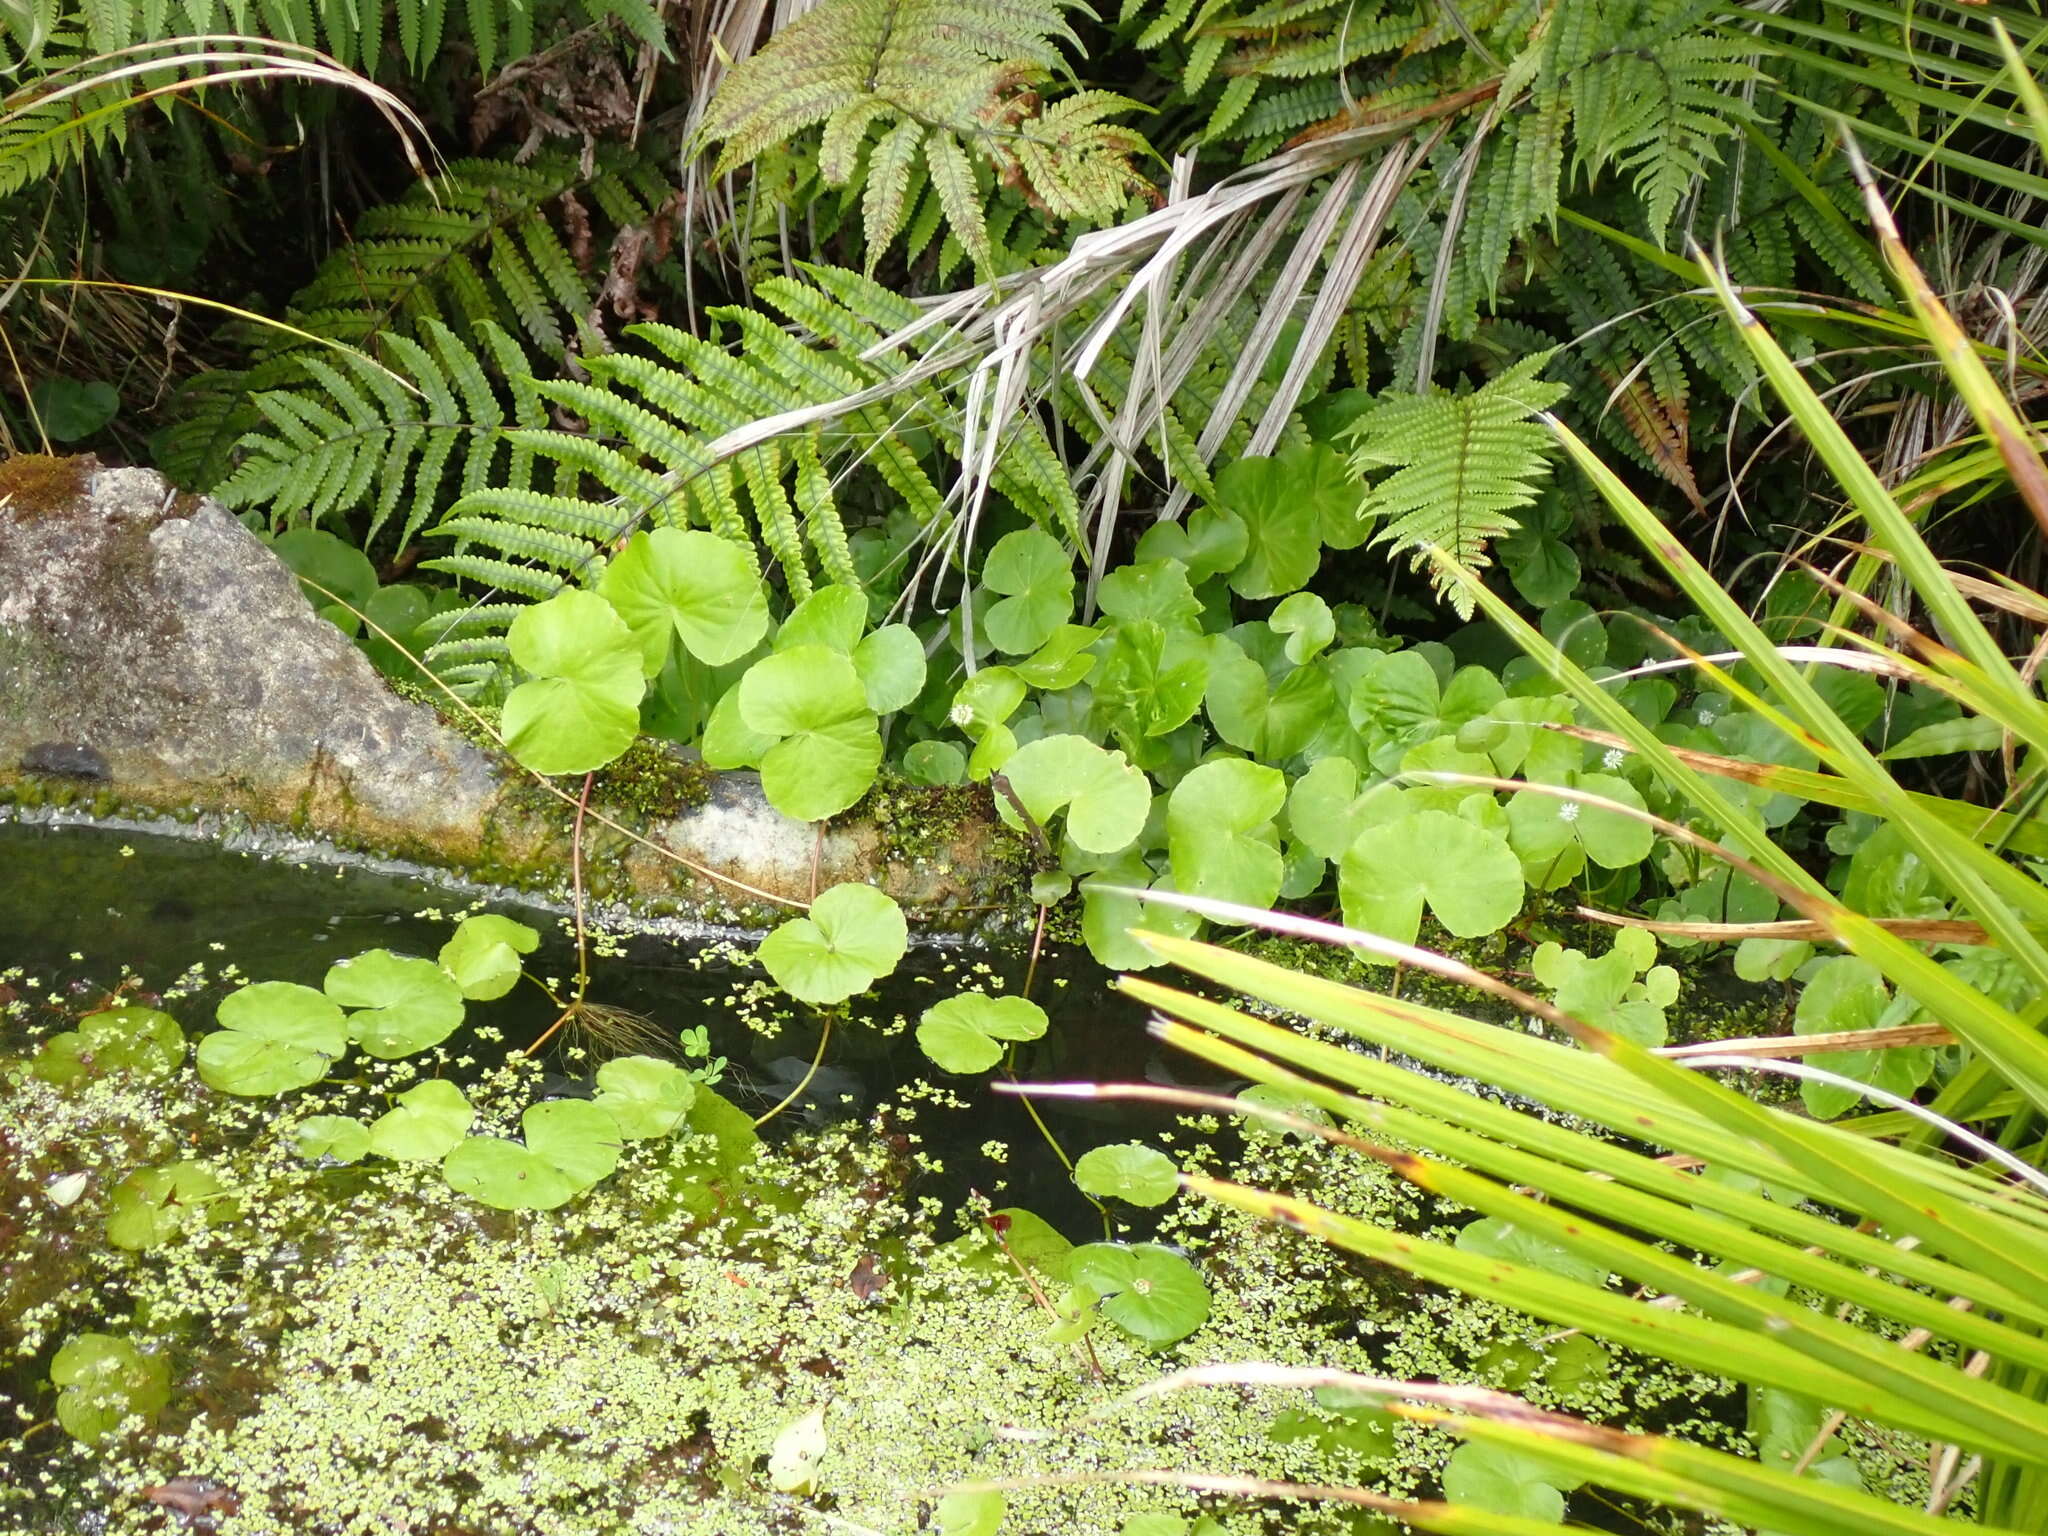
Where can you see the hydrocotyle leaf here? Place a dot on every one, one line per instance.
(854, 935)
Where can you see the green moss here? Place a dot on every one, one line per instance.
(652, 781)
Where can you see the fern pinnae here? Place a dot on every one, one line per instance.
(525, 541)
(1462, 465)
(761, 470)
(590, 522)
(885, 194)
(495, 575)
(953, 183)
(822, 524)
(640, 488)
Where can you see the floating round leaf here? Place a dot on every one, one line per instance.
(103, 1380)
(569, 1145)
(402, 1005)
(483, 956)
(645, 1096)
(153, 1205)
(972, 1514)
(853, 935)
(1503, 1482)
(140, 1043)
(967, 1033)
(332, 1139)
(1129, 1171)
(695, 585)
(1147, 1289)
(581, 707)
(275, 1036)
(428, 1122)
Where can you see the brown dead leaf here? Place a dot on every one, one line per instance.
(198, 1501)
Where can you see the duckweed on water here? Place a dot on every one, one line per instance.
(352, 1340)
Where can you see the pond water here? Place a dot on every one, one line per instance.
(634, 1274)
(82, 905)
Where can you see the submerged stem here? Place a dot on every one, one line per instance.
(817, 1060)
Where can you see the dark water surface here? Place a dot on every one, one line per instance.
(81, 905)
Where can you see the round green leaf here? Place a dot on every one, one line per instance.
(275, 1036)
(332, 572)
(482, 958)
(140, 1043)
(1322, 807)
(972, 1514)
(829, 750)
(1037, 577)
(153, 1205)
(833, 617)
(695, 585)
(1220, 834)
(332, 1139)
(935, 762)
(817, 775)
(581, 707)
(1283, 542)
(967, 1033)
(403, 1005)
(800, 689)
(1128, 1171)
(1502, 1482)
(1306, 621)
(1211, 541)
(1154, 591)
(729, 742)
(428, 1122)
(1105, 798)
(1469, 877)
(72, 409)
(1147, 1289)
(854, 935)
(645, 1096)
(890, 663)
(506, 1175)
(570, 1145)
(987, 699)
(104, 1380)
(1499, 1239)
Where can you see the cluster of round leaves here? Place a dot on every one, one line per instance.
(565, 1145)
(276, 1036)
(806, 713)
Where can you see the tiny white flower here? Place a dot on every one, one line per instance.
(1569, 811)
(1611, 759)
(961, 714)
(1706, 717)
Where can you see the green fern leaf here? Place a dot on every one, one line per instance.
(1462, 464)
(884, 197)
(953, 181)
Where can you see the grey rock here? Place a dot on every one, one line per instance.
(155, 656)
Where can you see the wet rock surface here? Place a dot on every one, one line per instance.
(154, 655)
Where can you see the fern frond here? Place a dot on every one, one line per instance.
(1462, 464)
(954, 79)
(498, 575)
